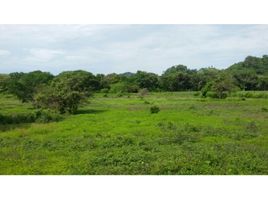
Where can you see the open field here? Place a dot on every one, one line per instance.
(119, 135)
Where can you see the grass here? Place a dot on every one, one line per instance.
(119, 135)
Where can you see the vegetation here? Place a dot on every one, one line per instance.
(119, 135)
(184, 121)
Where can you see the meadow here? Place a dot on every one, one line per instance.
(119, 135)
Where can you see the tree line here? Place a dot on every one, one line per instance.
(65, 91)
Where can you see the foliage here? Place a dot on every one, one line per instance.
(154, 109)
(80, 81)
(251, 64)
(143, 92)
(119, 136)
(58, 98)
(66, 91)
(220, 88)
(147, 80)
(25, 85)
(3, 82)
(39, 116)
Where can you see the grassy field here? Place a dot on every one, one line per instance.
(119, 135)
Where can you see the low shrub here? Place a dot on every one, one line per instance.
(146, 102)
(264, 109)
(252, 127)
(17, 118)
(216, 95)
(42, 116)
(154, 109)
(45, 116)
(251, 94)
(196, 94)
(143, 92)
(104, 90)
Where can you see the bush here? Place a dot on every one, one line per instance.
(154, 109)
(196, 94)
(146, 102)
(17, 118)
(143, 92)
(43, 116)
(60, 101)
(104, 90)
(251, 94)
(264, 109)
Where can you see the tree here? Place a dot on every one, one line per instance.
(3, 82)
(176, 68)
(263, 83)
(67, 91)
(221, 87)
(25, 85)
(246, 80)
(251, 64)
(147, 80)
(206, 75)
(80, 81)
(179, 78)
(60, 99)
(176, 82)
(112, 78)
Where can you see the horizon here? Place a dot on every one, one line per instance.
(105, 49)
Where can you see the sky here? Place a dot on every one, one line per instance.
(127, 48)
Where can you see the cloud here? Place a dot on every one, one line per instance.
(4, 52)
(43, 55)
(119, 48)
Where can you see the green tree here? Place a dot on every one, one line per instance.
(60, 99)
(176, 82)
(3, 82)
(25, 85)
(80, 81)
(147, 80)
(223, 86)
(246, 80)
(67, 91)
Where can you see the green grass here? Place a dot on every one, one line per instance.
(119, 135)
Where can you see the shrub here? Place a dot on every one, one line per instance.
(60, 101)
(120, 94)
(104, 90)
(264, 109)
(196, 94)
(146, 102)
(252, 127)
(17, 118)
(143, 92)
(154, 109)
(252, 94)
(45, 116)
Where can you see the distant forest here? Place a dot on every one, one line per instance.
(64, 91)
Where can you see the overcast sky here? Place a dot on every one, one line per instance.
(121, 48)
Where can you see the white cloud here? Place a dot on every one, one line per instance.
(4, 52)
(119, 48)
(43, 55)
